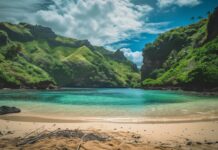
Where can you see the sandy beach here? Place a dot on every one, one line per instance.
(201, 134)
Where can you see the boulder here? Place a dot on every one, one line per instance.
(7, 110)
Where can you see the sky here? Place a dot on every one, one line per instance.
(115, 24)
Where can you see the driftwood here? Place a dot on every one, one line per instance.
(34, 131)
(92, 137)
(78, 147)
(62, 133)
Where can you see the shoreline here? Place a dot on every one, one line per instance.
(209, 92)
(128, 120)
(203, 92)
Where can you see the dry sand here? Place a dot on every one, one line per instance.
(123, 135)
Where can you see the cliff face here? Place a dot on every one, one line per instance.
(35, 57)
(212, 27)
(184, 57)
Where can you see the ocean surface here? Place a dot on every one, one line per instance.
(111, 103)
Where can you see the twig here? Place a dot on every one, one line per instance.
(32, 132)
(78, 147)
(81, 141)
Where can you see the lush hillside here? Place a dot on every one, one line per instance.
(185, 57)
(35, 57)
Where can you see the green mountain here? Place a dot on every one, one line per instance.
(185, 57)
(35, 57)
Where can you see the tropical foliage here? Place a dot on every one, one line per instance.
(35, 57)
(184, 57)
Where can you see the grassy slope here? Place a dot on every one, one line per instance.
(182, 57)
(40, 57)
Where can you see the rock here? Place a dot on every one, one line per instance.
(136, 136)
(189, 143)
(209, 143)
(7, 110)
(10, 132)
(199, 143)
(44, 85)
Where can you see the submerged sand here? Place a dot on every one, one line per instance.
(124, 134)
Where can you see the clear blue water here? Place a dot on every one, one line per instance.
(110, 103)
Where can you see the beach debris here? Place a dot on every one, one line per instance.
(189, 143)
(92, 137)
(34, 131)
(136, 136)
(199, 143)
(7, 110)
(3, 133)
(62, 133)
(209, 143)
(10, 132)
(67, 133)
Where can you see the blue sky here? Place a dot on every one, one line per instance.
(174, 14)
(116, 24)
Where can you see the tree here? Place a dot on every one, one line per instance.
(13, 51)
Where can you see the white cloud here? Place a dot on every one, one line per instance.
(102, 22)
(135, 57)
(180, 3)
(99, 21)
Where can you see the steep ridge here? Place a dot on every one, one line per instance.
(33, 56)
(184, 57)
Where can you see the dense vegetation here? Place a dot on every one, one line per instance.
(185, 57)
(35, 57)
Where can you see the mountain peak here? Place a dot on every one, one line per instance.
(119, 55)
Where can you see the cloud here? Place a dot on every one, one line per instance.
(135, 57)
(99, 21)
(180, 3)
(102, 22)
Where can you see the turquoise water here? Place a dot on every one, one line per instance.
(110, 103)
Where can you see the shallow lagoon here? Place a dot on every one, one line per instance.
(111, 103)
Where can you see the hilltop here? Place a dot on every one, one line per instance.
(33, 56)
